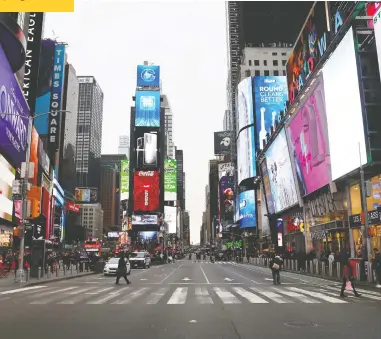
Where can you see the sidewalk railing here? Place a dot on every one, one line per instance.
(317, 268)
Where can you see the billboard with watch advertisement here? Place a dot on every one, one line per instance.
(147, 108)
(146, 145)
(308, 139)
(14, 114)
(146, 195)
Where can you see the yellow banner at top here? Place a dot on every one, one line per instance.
(36, 5)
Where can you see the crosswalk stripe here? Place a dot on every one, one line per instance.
(300, 297)
(179, 296)
(108, 297)
(202, 296)
(279, 299)
(77, 299)
(131, 297)
(335, 294)
(318, 295)
(83, 290)
(43, 294)
(363, 294)
(155, 297)
(251, 297)
(225, 296)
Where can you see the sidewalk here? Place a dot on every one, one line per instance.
(8, 282)
(366, 284)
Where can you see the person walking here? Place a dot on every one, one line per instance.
(347, 274)
(377, 266)
(275, 265)
(122, 270)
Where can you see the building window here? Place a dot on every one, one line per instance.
(256, 62)
(284, 72)
(274, 53)
(267, 72)
(284, 53)
(284, 62)
(249, 62)
(257, 73)
(247, 73)
(265, 62)
(275, 62)
(276, 73)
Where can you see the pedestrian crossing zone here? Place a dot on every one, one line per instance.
(186, 294)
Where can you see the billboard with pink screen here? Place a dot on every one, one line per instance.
(308, 140)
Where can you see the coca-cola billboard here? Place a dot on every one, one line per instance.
(146, 191)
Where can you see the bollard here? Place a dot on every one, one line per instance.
(83, 267)
(48, 274)
(317, 267)
(71, 268)
(296, 266)
(28, 274)
(57, 271)
(338, 270)
(322, 268)
(39, 273)
(292, 265)
(370, 272)
(64, 270)
(311, 266)
(77, 267)
(330, 268)
(357, 271)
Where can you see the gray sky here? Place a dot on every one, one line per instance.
(108, 39)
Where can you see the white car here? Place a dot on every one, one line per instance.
(140, 260)
(112, 265)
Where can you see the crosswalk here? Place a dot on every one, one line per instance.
(191, 294)
(216, 262)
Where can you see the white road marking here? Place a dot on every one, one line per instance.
(100, 291)
(300, 297)
(106, 298)
(43, 294)
(186, 279)
(255, 282)
(318, 295)
(79, 291)
(206, 278)
(170, 274)
(228, 279)
(155, 297)
(23, 289)
(279, 299)
(179, 296)
(202, 296)
(365, 294)
(131, 297)
(225, 296)
(251, 297)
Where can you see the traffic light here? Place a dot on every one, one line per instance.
(36, 208)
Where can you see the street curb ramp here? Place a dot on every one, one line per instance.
(43, 282)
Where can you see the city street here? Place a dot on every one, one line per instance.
(190, 300)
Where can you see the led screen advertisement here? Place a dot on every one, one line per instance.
(146, 146)
(170, 217)
(148, 76)
(247, 214)
(270, 96)
(147, 108)
(227, 198)
(246, 154)
(280, 174)
(144, 219)
(86, 195)
(342, 94)
(222, 142)
(308, 140)
(7, 175)
(170, 180)
(146, 196)
(14, 113)
(245, 104)
(377, 32)
(124, 179)
(308, 50)
(225, 169)
(267, 187)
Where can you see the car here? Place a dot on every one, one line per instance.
(140, 259)
(112, 265)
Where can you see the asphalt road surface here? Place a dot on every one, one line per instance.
(190, 300)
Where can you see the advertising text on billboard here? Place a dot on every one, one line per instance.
(146, 191)
(170, 180)
(148, 76)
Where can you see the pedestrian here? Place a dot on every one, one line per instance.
(122, 270)
(347, 274)
(275, 265)
(377, 266)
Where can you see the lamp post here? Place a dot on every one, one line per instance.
(24, 208)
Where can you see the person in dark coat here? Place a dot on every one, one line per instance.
(275, 265)
(122, 270)
(377, 266)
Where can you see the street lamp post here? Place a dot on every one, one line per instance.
(24, 209)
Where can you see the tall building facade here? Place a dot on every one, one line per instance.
(180, 178)
(168, 127)
(124, 145)
(67, 171)
(89, 132)
(91, 218)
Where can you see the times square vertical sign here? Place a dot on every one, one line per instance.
(56, 97)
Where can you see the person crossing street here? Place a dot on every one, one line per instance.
(122, 270)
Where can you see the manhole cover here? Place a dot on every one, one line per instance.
(300, 324)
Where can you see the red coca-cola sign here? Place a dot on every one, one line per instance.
(146, 191)
(72, 207)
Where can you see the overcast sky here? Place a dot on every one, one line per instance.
(108, 39)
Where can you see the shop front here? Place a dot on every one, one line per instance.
(293, 228)
(6, 237)
(57, 231)
(326, 222)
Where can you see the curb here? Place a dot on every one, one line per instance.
(43, 282)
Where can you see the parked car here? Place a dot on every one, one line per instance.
(140, 260)
(112, 265)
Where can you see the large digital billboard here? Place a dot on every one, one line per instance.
(246, 154)
(227, 198)
(222, 142)
(144, 219)
(7, 175)
(14, 113)
(280, 174)
(247, 213)
(124, 179)
(308, 140)
(270, 96)
(245, 104)
(86, 195)
(146, 191)
(377, 32)
(170, 180)
(346, 134)
(147, 108)
(170, 217)
(147, 146)
(225, 169)
(148, 76)
(267, 187)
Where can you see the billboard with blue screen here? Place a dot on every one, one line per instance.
(147, 111)
(247, 213)
(148, 76)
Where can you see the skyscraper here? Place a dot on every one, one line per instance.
(89, 132)
(168, 127)
(124, 145)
